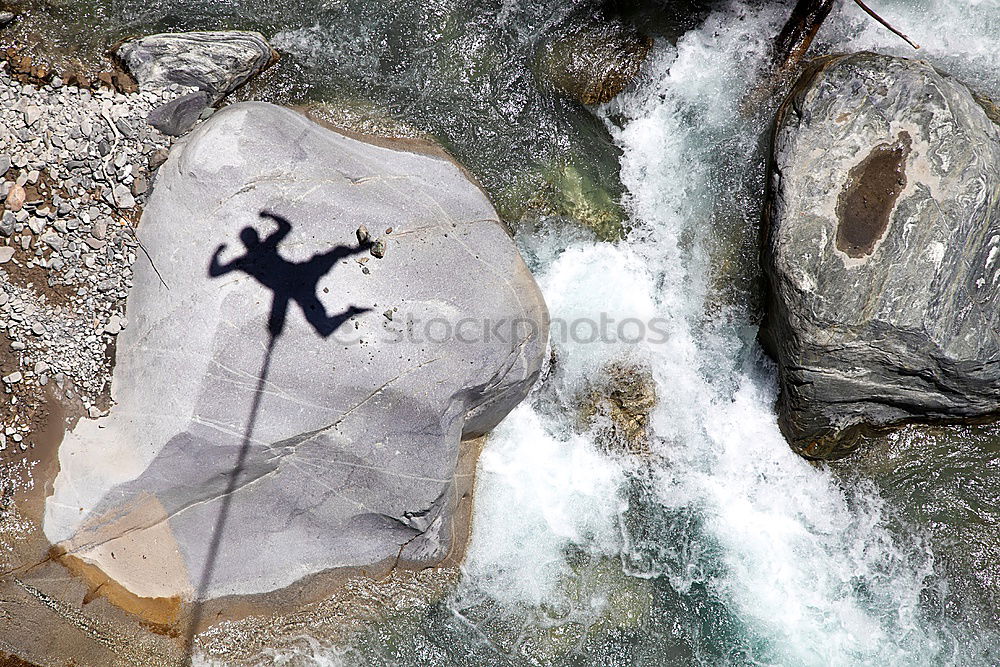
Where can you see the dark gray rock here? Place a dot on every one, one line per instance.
(215, 62)
(178, 116)
(357, 431)
(882, 252)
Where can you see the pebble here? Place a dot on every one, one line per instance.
(123, 197)
(31, 115)
(114, 325)
(15, 198)
(66, 175)
(363, 235)
(378, 249)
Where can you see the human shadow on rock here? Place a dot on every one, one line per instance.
(289, 281)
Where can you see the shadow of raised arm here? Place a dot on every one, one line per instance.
(277, 236)
(216, 268)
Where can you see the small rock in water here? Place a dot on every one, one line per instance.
(6, 18)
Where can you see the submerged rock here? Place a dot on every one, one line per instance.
(623, 396)
(214, 62)
(882, 252)
(269, 423)
(594, 63)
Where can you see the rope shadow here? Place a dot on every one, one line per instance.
(290, 282)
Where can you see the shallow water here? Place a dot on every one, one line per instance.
(722, 547)
(466, 73)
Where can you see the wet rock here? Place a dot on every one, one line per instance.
(214, 62)
(346, 428)
(619, 403)
(595, 62)
(6, 18)
(178, 116)
(882, 252)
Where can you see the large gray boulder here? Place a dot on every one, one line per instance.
(214, 62)
(882, 251)
(343, 414)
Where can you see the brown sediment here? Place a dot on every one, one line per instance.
(38, 70)
(135, 545)
(14, 661)
(159, 614)
(36, 279)
(41, 194)
(869, 196)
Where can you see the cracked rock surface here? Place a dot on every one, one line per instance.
(352, 437)
(883, 251)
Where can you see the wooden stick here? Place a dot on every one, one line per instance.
(885, 23)
(794, 40)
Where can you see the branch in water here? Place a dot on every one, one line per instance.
(881, 20)
(794, 40)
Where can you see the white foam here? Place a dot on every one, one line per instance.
(810, 566)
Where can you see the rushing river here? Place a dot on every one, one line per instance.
(721, 546)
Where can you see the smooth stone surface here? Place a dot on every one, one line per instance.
(351, 458)
(214, 62)
(882, 252)
(178, 116)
